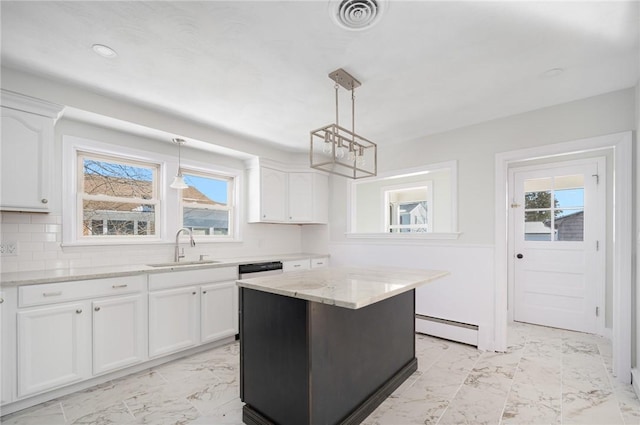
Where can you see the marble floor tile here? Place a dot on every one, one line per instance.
(547, 376)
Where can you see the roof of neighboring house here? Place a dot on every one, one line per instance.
(531, 227)
(96, 184)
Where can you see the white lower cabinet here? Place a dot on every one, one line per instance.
(54, 346)
(119, 332)
(219, 311)
(173, 320)
(192, 307)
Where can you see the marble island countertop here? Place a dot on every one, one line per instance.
(343, 287)
(99, 272)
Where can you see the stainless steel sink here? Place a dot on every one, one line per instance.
(183, 263)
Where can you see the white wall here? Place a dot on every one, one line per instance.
(475, 148)
(39, 235)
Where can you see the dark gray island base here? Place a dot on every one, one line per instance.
(304, 362)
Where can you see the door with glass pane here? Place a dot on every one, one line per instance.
(558, 216)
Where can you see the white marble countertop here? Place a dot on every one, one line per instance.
(344, 287)
(84, 273)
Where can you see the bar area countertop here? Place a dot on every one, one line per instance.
(346, 287)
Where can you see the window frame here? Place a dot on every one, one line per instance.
(220, 173)
(169, 217)
(81, 196)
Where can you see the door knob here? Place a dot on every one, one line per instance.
(519, 256)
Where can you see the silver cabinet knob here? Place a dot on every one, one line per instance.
(78, 311)
(97, 309)
(1, 300)
(44, 200)
(194, 293)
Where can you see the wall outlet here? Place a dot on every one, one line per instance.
(9, 249)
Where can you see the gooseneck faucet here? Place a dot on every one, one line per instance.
(177, 256)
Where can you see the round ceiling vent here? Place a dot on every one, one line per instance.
(356, 15)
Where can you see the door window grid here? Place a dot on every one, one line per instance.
(554, 208)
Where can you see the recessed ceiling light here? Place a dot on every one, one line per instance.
(553, 72)
(104, 51)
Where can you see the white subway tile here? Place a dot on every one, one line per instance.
(44, 237)
(8, 267)
(52, 228)
(15, 217)
(9, 228)
(45, 255)
(81, 262)
(52, 246)
(57, 264)
(32, 228)
(46, 219)
(20, 237)
(30, 247)
(25, 266)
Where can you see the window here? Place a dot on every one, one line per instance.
(554, 208)
(408, 210)
(116, 197)
(416, 203)
(207, 204)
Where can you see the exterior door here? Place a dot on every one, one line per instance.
(558, 216)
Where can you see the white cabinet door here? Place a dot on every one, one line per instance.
(25, 152)
(119, 332)
(300, 197)
(320, 198)
(54, 347)
(272, 194)
(219, 317)
(173, 320)
(7, 345)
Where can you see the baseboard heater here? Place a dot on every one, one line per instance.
(447, 329)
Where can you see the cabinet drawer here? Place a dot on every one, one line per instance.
(319, 262)
(50, 293)
(295, 265)
(179, 278)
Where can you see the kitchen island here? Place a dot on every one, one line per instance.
(326, 346)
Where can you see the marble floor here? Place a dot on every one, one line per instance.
(547, 376)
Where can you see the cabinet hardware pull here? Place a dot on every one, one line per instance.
(78, 311)
(193, 293)
(296, 265)
(1, 300)
(97, 309)
(319, 263)
(44, 200)
(119, 286)
(204, 292)
(51, 294)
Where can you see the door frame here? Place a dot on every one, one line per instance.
(622, 248)
(600, 290)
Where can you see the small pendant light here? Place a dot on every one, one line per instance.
(178, 180)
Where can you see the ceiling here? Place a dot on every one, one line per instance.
(261, 68)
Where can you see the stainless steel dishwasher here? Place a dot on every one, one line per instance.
(247, 271)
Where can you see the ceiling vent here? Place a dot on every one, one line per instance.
(356, 15)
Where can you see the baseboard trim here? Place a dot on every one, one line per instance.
(635, 381)
(251, 416)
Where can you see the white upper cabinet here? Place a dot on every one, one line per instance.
(273, 193)
(287, 196)
(25, 149)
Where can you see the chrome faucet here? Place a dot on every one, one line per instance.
(177, 255)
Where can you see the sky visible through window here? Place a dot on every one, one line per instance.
(216, 190)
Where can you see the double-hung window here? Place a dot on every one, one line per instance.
(116, 197)
(207, 205)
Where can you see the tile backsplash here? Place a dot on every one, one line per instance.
(38, 241)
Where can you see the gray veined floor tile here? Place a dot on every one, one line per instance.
(547, 376)
(532, 404)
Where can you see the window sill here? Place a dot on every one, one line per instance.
(200, 240)
(405, 236)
